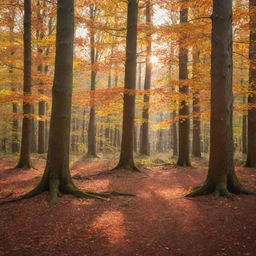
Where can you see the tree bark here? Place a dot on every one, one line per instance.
(221, 178)
(244, 130)
(135, 148)
(183, 158)
(126, 157)
(196, 141)
(24, 160)
(145, 146)
(91, 152)
(174, 135)
(251, 152)
(40, 69)
(15, 124)
(56, 178)
(33, 132)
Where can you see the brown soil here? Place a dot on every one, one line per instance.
(157, 222)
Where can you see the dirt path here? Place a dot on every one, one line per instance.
(157, 222)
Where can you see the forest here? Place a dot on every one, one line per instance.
(127, 127)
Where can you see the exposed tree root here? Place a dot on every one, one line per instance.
(36, 191)
(70, 188)
(106, 172)
(200, 191)
(219, 191)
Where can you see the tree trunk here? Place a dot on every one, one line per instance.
(160, 137)
(41, 127)
(184, 158)
(174, 135)
(101, 138)
(221, 178)
(135, 148)
(244, 130)
(33, 132)
(73, 135)
(40, 69)
(91, 152)
(56, 177)
(251, 152)
(46, 129)
(144, 146)
(196, 142)
(126, 157)
(15, 124)
(15, 127)
(24, 160)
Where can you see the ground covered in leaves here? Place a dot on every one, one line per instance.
(156, 222)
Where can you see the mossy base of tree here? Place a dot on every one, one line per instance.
(221, 189)
(55, 190)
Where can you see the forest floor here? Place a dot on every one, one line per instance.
(158, 221)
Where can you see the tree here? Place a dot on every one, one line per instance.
(183, 158)
(126, 157)
(221, 178)
(56, 178)
(24, 160)
(91, 152)
(251, 152)
(144, 143)
(41, 104)
(15, 124)
(196, 142)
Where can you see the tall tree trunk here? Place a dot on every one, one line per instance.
(135, 148)
(46, 129)
(83, 127)
(33, 132)
(41, 127)
(73, 135)
(91, 152)
(24, 160)
(145, 146)
(40, 69)
(56, 178)
(15, 124)
(221, 178)
(160, 137)
(251, 152)
(126, 157)
(101, 138)
(244, 130)
(183, 158)
(174, 135)
(196, 142)
(15, 127)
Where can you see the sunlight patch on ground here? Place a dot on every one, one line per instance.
(146, 195)
(111, 223)
(168, 192)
